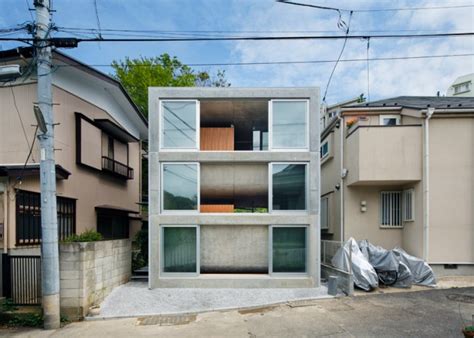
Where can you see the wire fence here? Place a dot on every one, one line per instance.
(329, 249)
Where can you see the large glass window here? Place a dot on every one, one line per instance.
(288, 186)
(289, 249)
(180, 249)
(180, 186)
(179, 121)
(289, 124)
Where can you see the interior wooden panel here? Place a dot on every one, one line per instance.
(217, 208)
(217, 138)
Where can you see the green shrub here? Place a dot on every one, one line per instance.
(26, 320)
(86, 236)
(140, 255)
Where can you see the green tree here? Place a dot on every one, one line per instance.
(136, 75)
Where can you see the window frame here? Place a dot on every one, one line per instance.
(198, 125)
(400, 216)
(162, 251)
(410, 191)
(162, 190)
(270, 125)
(270, 189)
(324, 156)
(396, 117)
(270, 251)
(326, 198)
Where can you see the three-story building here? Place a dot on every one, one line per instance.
(234, 187)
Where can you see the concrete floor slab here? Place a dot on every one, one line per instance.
(134, 299)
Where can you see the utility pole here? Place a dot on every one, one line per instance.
(49, 222)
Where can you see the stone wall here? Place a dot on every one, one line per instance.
(89, 271)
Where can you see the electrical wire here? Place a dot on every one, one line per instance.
(375, 9)
(368, 70)
(292, 62)
(20, 177)
(257, 38)
(338, 58)
(29, 11)
(97, 18)
(19, 116)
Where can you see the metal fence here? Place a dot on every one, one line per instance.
(329, 249)
(22, 279)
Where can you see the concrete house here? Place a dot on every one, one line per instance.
(98, 154)
(400, 172)
(462, 86)
(234, 187)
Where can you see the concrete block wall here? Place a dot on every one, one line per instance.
(89, 271)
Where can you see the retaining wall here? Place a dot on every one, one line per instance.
(89, 271)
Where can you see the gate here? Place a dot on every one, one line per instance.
(22, 279)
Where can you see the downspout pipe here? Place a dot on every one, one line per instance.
(341, 184)
(426, 182)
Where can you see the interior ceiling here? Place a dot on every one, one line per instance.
(237, 112)
(227, 180)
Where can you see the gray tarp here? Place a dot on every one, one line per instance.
(364, 274)
(371, 264)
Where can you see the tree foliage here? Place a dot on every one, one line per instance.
(136, 75)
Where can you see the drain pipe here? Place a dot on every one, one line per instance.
(426, 182)
(341, 154)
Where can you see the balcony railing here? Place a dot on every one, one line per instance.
(116, 168)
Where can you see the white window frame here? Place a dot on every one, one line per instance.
(400, 216)
(270, 125)
(198, 125)
(270, 189)
(162, 190)
(326, 199)
(270, 250)
(324, 156)
(412, 205)
(396, 117)
(162, 251)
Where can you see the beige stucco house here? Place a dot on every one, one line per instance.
(400, 172)
(98, 154)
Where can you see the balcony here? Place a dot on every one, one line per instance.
(116, 168)
(384, 155)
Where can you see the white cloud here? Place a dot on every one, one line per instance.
(387, 78)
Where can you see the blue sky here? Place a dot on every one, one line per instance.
(387, 78)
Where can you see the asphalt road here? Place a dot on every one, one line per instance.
(433, 313)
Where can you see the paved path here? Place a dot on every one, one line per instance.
(434, 313)
(135, 299)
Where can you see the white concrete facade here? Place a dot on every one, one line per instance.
(223, 234)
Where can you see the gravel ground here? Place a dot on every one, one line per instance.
(135, 299)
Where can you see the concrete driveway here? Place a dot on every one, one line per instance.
(433, 313)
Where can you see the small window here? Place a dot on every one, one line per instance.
(113, 224)
(180, 249)
(179, 121)
(288, 249)
(409, 205)
(180, 186)
(325, 213)
(461, 88)
(289, 124)
(324, 149)
(390, 209)
(389, 120)
(289, 186)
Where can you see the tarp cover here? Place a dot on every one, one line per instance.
(373, 264)
(363, 273)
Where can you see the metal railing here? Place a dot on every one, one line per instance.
(22, 279)
(329, 249)
(117, 168)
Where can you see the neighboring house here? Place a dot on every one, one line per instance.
(98, 154)
(234, 187)
(403, 177)
(329, 112)
(462, 86)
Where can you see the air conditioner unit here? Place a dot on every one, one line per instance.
(9, 72)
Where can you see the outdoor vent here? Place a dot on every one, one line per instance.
(451, 266)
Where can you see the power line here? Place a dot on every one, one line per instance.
(339, 57)
(19, 117)
(256, 38)
(221, 64)
(374, 9)
(97, 18)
